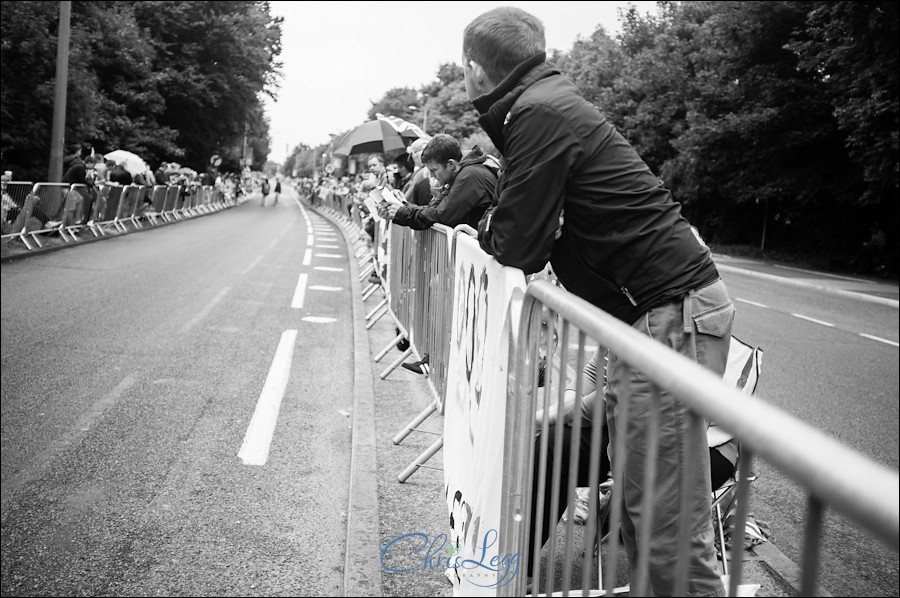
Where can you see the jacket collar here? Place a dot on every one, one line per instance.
(495, 105)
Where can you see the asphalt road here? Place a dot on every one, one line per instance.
(819, 367)
(131, 370)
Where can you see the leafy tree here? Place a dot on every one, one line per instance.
(163, 79)
(28, 34)
(852, 47)
(214, 58)
(395, 102)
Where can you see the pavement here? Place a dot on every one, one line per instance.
(381, 506)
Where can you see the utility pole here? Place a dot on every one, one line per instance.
(57, 133)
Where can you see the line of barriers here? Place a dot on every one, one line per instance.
(417, 277)
(33, 210)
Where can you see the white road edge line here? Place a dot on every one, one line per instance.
(751, 302)
(307, 257)
(815, 321)
(300, 291)
(258, 439)
(879, 339)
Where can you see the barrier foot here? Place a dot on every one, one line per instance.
(365, 273)
(421, 460)
(389, 346)
(414, 424)
(379, 316)
(381, 304)
(370, 290)
(396, 364)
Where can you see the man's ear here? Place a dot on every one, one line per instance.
(479, 76)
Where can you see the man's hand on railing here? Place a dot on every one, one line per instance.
(465, 228)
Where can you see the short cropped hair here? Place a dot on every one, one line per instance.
(441, 149)
(503, 38)
(406, 161)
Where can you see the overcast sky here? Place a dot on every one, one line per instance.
(341, 57)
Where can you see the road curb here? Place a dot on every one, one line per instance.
(800, 283)
(783, 568)
(362, 564)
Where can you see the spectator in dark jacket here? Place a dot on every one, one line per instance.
(466, 192)
(120, 175)
(419, 191)
(573, 191)
(76, 172)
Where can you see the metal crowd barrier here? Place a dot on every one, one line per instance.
(832, 474)
(552, 322)
(433, 313)
(31, 210)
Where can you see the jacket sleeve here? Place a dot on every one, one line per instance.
(541, 150)
(464, 195)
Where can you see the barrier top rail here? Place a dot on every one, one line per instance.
(852, 484)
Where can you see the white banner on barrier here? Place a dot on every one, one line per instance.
(474, 420)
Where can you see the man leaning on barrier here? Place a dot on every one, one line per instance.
(468, 184)
(573, 191)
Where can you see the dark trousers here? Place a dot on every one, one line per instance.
(550, 519)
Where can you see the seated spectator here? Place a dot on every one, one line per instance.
(467, 187)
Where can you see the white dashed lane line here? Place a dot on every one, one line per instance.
(821, 323)
(258, 438)
(879, 339)
(300, 291)
(763, 305)
(318, 320)
(813, 320)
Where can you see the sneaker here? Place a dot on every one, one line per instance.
(418, 367)
(374, 278)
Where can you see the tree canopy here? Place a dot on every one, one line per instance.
(167, 80)
(774, 123)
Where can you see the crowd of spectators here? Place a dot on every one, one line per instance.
(88, 172)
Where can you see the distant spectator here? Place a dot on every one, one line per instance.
(76, 172)
(90, 193)
(161, 176)
(419, 191)
(404, 173)
(277, 190)
(118, 174)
